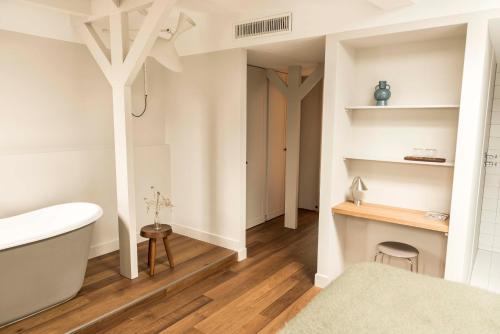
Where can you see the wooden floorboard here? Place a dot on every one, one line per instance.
(258, 295)
(105, 292)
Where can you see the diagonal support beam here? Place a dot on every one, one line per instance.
(145, 39)
(95, 45)
(311, 81)
(119, 41)
(277, 81)
(121, 73)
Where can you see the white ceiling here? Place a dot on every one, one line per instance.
(246, 6)
(307, 53)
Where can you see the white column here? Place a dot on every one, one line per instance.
(125, 183)
(295, 91)
(292, 146)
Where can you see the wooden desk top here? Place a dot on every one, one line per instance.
(393, 215)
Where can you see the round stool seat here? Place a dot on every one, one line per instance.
(149, 231)
(397, 249)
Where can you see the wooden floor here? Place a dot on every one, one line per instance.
(257, 295)
(106, 292)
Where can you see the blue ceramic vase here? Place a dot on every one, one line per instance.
(382, 93)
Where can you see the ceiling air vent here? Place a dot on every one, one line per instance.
(269, 25)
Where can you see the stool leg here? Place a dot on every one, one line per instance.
(149, 252)
(169, 253)
(152, 257)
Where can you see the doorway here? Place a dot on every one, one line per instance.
(267, 108)
(266, 141)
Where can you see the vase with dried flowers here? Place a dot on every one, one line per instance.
(158, 202)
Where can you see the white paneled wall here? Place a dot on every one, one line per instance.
(489, 236)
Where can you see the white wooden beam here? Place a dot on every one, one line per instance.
(120, 74)
(277, 81)
(119, 40)
(294, 92)
(292, 146)
(72, 7)
(95, 45)
(125, 183)
(124, 160)
(145, 39)
(311, 81)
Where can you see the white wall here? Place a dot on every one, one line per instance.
(324, 17)
(469, 155)
(206, 130)
(56, 133)
(350, 66)
(489, 236)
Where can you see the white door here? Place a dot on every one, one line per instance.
(276, 153)
(256, 145)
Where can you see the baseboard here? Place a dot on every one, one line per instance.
(242, 254)
(211, 238)
(274, 214)
(113, 245)
(255, 221)
(104, 248)
(321, 281)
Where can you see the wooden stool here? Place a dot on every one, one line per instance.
(150, 232)
(398, 250)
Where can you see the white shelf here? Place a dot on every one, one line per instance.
(400, 161)
(395, 107)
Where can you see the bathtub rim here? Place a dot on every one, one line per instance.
(89, 216)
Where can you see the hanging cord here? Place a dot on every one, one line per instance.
(145, 95)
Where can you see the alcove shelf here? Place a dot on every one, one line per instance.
(399, 161)
(403, 107)
(392, 215)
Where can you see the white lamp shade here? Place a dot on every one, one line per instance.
(165, 53)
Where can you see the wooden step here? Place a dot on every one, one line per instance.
(169, 289)
(106, 293)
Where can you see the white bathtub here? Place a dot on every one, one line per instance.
(43, 257)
